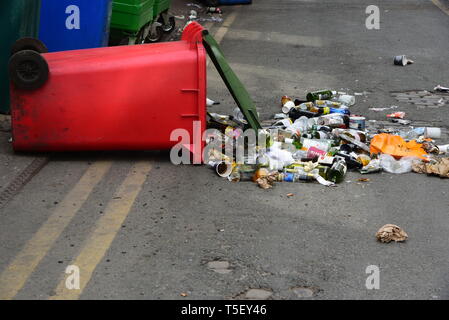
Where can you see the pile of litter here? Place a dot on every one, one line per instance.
(318, 139)
(213, 13)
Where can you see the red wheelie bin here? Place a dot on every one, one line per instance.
(116, 98)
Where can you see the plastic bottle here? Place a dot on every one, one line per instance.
(341, 111)
(412, 134)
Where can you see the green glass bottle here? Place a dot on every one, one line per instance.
(337, 172)
(332, 151)
(296, 141)
(320, 95)
(323, 171)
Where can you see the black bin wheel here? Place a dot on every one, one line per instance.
(167, 28)
(28, 44)
(28, 70)
(156, 37)
(124, 41)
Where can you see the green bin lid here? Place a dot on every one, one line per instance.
(233, 83)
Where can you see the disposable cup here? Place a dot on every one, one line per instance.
(223, 169)
(288, 106)
(432, 133)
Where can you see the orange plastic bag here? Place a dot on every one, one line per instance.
(396, 146)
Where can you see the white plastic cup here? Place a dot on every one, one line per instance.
(432, 133)
(288, 106)
(223, 169)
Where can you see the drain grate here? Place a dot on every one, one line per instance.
(21, 180)
(422, 98)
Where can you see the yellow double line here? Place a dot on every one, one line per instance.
(14, 277)
(16, 274)
(106, 229)
(441, 6)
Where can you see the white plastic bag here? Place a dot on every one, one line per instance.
(390, 164)
(279, 158)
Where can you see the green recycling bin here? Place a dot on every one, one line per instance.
(161, 6)
(18, 19)
(132, 22)
(162, 16)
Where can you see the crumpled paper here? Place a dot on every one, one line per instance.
(439, 168)
(267, 182)
(391, 232)
(430, 147)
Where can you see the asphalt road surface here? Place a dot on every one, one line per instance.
(138, 227)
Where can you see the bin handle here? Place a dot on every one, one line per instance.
(193, 33)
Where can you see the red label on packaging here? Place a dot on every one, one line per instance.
(315, 152)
